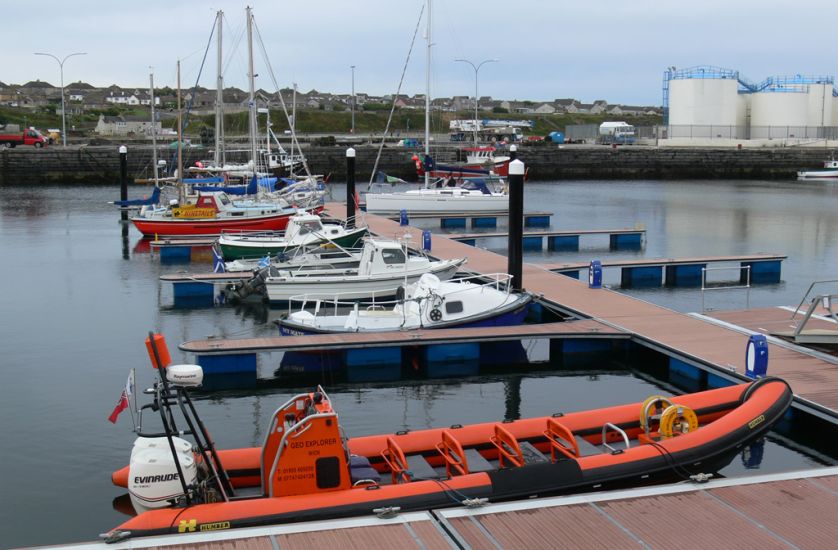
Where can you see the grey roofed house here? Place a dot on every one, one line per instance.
(80, 86)
(36, 84)
(3, 84)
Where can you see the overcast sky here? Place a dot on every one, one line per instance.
(597, 49)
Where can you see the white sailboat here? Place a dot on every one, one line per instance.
(470, 196)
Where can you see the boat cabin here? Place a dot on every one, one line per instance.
(303, 224)
(380, 256)
(207, 205)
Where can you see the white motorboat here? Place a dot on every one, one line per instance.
(384, 266)
(428, 303)
(472, 195)
(829, 171)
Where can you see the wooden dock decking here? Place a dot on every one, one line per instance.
(791, 510)
(545, 233)
(587, 327)
(661, 328)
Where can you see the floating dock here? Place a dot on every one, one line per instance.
(564, 240)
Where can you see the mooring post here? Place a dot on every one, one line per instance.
(513, 152)
(123, 178)
(516, 222)
(350, 187)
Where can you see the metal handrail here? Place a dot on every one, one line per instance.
(811, 286)
(609, 426)
(746, 286)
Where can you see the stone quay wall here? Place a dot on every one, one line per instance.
(100, 164)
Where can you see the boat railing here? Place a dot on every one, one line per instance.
(609, 427)
(809, 290)
(378, 300)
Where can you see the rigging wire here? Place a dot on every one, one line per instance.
(396, 98)
(279, 95)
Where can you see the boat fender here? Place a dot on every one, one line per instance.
(651, 408)
(676, 420)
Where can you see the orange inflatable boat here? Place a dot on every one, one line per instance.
(306, 469)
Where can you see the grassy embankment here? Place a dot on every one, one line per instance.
(405, 122)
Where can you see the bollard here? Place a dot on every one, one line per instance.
(403, 221)
(123, 178)
(513, 152)
(426, 240)
(756, 356)
(516, 223)
(595, 274)
(350, 187)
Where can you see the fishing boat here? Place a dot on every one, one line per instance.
(308, 469)
(829, 171)
(303, 230)
(383, 267)
(427, 304)
(210, 214)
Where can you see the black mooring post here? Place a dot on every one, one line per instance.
(350, 187)
(516, 222)
(123, 178)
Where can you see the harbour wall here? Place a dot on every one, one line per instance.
(100, 164)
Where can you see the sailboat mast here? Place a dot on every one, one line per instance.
(219, 98)
(293, 126)
(428, 94)
(252, 95)
(153, 127)
(179, 137)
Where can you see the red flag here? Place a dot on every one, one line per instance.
(123, 402)
(120, 406)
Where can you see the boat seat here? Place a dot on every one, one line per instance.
(586, 448)
(476, 462)
(360, 469)
(530, 453)
(420, 468)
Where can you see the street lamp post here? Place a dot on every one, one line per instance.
(61, 70)
(353, 97)
(476, 70)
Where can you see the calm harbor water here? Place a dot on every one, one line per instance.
(79, 298)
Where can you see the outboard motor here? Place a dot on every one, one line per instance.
(153, 480)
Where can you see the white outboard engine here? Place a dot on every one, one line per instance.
(153, 480)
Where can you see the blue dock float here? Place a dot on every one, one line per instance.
(231, 363)
(449, 223)
(762, 272)
(626, 241)
(491, 221)
(563, 243)
(537, 220)
(531, 243)
(641, 276)
(175, 254)
(683, 275)
(563, 240)
(368, 364)
(446, 360)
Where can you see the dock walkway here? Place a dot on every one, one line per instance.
(792, 510)
(660, 328)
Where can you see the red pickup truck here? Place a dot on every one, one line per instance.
(11, 136)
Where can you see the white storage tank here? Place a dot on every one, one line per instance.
(820, 105)
(705, 101)
(779, 109)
